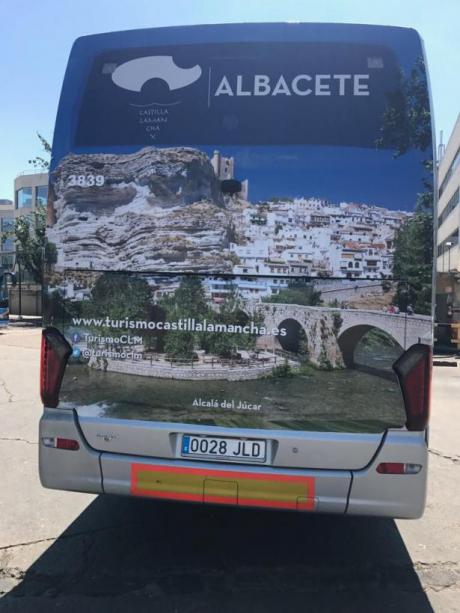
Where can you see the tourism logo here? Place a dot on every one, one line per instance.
(134, 74)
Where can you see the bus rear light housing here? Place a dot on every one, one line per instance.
(398, 468)
(55, 351)
(413, 370)
(69, 444)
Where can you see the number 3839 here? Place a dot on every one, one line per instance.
(85, 180)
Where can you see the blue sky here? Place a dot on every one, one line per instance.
(35, 40)
(337, 174)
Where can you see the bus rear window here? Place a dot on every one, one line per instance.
(245, 93)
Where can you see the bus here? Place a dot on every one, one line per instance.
(240, 305)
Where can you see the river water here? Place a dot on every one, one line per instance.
(338, 400)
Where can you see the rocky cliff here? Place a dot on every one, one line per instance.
(157, 210)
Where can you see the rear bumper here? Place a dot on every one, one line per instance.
(237, 485)
(60, 469)
(398, 496)
(354, 492)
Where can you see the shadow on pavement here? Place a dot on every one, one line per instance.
(125, 554)
(26, 322)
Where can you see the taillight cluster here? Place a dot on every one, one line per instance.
(398, 468)
(69, 444)
(54, 355)
(413, 369)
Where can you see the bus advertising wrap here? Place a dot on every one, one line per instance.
(241, 233)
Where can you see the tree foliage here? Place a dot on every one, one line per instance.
(407, 126)
(32, 250)
(231, 313)
(39, 162)
(118, 296)
(29, 231)
(413, 260)
(298, 292)
(189, 301)
(406, 120)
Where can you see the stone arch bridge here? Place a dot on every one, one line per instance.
(332, 335)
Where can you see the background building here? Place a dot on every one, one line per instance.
(6, 225)
(30, 191)
(448, 252)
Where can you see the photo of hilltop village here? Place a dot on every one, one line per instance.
(176, 210)
(165, 213)
(212, 286)
(172, 265)
(311, 237)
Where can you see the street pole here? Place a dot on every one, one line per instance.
(19, 289)
(448, 245)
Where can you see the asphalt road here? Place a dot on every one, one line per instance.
(62, 551)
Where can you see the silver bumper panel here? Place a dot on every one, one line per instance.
(358, 492)
(62, 469)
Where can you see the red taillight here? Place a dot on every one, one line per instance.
(55, 353)
(398, 468)
(61, 443)
(67, 443)
(413, 369)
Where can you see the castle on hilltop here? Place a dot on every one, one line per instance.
(224, 169)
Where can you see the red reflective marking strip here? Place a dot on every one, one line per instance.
(221, 473)
(308, 504)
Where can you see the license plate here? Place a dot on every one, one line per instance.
(207, 447)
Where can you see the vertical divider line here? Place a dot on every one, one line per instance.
(209, 87)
